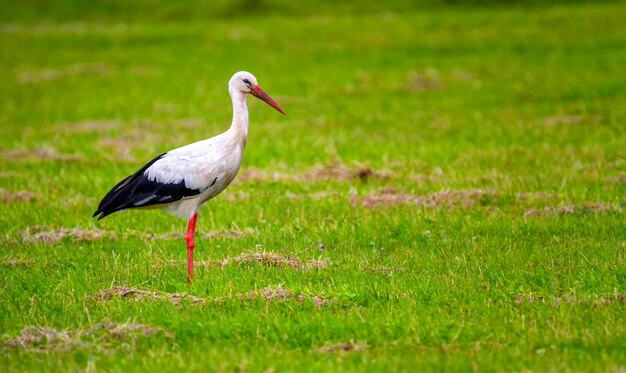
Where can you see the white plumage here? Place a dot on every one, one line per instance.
(183, 179)
(208, 166)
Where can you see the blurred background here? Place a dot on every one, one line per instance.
(469, 89)
(203, 9)
(187, 10)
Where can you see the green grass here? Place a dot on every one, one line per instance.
(524, 104)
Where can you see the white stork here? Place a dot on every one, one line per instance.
(183, 179)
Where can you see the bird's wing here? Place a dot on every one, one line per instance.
(167, 178)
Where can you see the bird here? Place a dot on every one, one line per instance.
(183, 179)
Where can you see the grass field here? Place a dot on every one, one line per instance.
(446, 192)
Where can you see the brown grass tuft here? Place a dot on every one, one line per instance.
(76, 234)
(102, 336)
(8, 262)
(590, 207)
(89, 126)
(18, 196)
(44, 153)
(39, 234)
(429, 80)
(594, 300)
(529, 298)
(271, 258)
(122, 331)
(121, 148)
(569, 119)
(386, 270)
(280, 294)
(343, 347)
(335, 172)
(621, 178)
(341, 172)
(269, 294)
(529, 197)
(138, 294)
(317, 196)
(447, 199)
(320, 302)
(48, 75)
(42, 339)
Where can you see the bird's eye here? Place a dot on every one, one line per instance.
(247, 81)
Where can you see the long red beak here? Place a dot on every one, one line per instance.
(258, 92)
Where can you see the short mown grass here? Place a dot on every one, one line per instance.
(447, 191)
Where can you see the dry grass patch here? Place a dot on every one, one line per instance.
(592, 207)
(343, 347)
(568, 119)
(317, 196)
(271, 258)
(530, 197)
(147, 295)
(11, 262)
(89, 126)
(120, 148)
(48, 75)
(428, 80)
(43, 153)
(446, 199)
(333, 172)
(435, 177)
(594, 300)
(385, 270)
(102, 336)
(280, 294)
(341, 172)
(121, 331)
(17, 196)
(269, 294)
(43, 339)
(621, 178)
(37, 235)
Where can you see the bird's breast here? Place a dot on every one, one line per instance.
(220, 174)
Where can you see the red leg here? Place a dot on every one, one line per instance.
(191, 232)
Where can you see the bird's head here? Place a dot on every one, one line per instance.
(245, 82)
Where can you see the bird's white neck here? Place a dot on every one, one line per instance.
(239, 128)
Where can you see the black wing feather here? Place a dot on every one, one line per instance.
(137, 190)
